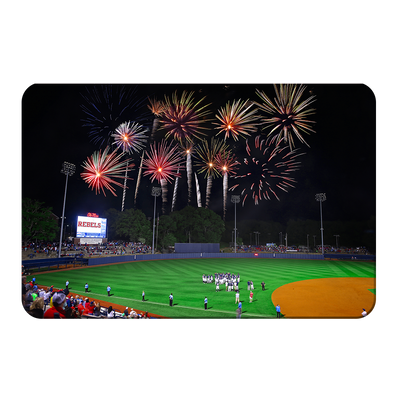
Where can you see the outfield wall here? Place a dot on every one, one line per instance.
(171, 256)
(196, 248)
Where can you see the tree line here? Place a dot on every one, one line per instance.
(351, 233)
(202, 225)
(189, 225)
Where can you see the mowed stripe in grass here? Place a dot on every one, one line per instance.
(183, 277)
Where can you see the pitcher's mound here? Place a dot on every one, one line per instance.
(326, 297)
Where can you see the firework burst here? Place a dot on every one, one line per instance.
(101, 170)
(237, 119)
(206, 154)
(267, 169)
(162, 161)
(162, 164)
(288, 115)
(182, 117)
(107, 106)
(130, 137)
(157, 107)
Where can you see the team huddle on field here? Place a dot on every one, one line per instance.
(231, 281)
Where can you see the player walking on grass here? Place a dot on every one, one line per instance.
(251, 296)
(278, 311)
(217, 288)
(170, 299)
(66, 284)
(237, 297)
(109, 290)
(143, 295)
(205, 303)
(86, 287)
(239, 310)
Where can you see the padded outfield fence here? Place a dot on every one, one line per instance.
(42, 264)
(57, 263)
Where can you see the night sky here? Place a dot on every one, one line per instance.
(341, 159)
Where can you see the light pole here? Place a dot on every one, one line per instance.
(68, 169)
(235, 199)
(337, 242)
(321, 197)
(155, 191)
(257, 237)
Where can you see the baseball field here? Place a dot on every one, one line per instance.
(302, 288)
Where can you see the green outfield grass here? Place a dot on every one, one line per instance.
(184, 279)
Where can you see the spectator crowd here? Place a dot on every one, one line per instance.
(51, 303)
(50, 249)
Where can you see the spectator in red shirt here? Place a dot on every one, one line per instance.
(81, 309)
(58, 306)
(90, 307)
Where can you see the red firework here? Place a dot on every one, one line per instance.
(162, 162)
(226, 162)
(267, 169)
(101, 169)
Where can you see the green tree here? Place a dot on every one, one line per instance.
(112, 215)
(166, 232)
(38, 222)
(211, 226)
(185, 221)
(133, 225)
(197, 225)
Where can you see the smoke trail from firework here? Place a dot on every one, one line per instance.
(187, 150)
(227, 164)
(138, 179)
(175, 192)
(101, 170)
(130, 137)
(205, 161)
(157, 108)
(287, 116)
(197, 191)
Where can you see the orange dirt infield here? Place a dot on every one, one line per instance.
(326, 298)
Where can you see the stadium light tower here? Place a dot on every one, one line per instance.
(337, 241)
(235, 198)
(321, 197)
(68, 169)
(155, 191)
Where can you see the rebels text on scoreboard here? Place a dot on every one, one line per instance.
(91, 227)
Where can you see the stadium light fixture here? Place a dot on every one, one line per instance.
(68, 169)
(321, 197)
(337, 241)
(235, 198)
